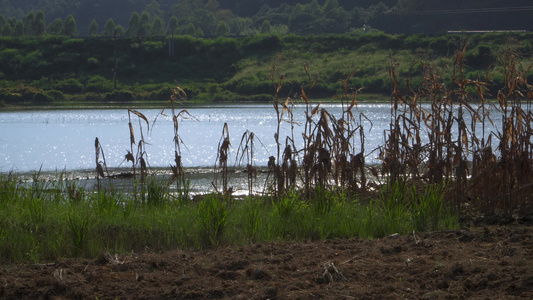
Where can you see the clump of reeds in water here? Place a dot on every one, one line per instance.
(460, 150)
(333, 153)
(438, 134)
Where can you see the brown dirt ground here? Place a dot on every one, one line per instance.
(481, 262)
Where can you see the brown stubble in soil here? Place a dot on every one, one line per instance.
(476, 263)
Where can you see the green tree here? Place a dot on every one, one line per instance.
(70, 28)
(119, 30)
(331, 5)
(109, 28)
(28, 21)
(7, 30)
(199, 32)
(363, 16)
(12, 21)
(18, 31)
(157, 27)
(56, 27)
(222, 29)
(334, 18)
(39, 24)
(314, 19)
(212, 5)
(206, 19)
(7, 10)
(133, 24)
(154, 9)
(2, 21)
(281, 29)
(184, 9)
(145, 27)
(190, 30)
(173, 25)
(265, 27)
(142, 32)
(304, 23)
(239, 25)
(313, 8)
(412, 5)
(93, 28)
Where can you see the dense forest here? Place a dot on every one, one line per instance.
(244, 17)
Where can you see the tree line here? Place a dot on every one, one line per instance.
(138, 18)
(34, 24)
(201, 18)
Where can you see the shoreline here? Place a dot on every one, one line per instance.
(200, 179)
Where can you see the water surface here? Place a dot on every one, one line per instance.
(64, 139)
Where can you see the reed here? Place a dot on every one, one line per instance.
(177, 97)
(222, 159)
(100, 164)
(246, 148)
(460, 151)
(282, 174)
(457, 150)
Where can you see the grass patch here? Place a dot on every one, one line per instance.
(44, 221)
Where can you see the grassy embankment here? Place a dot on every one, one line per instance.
(64, 71)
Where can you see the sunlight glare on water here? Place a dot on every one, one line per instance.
(64, 139)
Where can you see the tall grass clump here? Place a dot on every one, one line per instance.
(79, 224)
(9, 191)
(252, 212)
(158, 191)
(402, 208)
(429, 210)
(394, 207)
(212, 218)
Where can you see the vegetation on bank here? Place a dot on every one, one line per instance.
(59, 70)
(47, 220)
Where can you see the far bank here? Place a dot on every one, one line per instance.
(59, 71)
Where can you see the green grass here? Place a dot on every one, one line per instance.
(49, 220)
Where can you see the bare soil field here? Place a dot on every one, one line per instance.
(478, 262)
